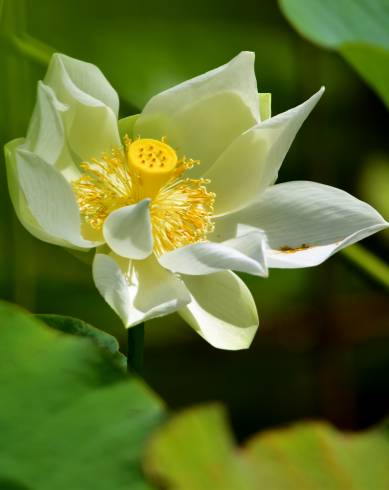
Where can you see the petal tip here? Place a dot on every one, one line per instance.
(128, 231)
(248, 54)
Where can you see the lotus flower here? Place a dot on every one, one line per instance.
(176, 198)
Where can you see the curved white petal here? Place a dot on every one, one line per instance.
(49, 199)
(244, 254)
(46, 133)
(251, 163)
(201, 116)
(75, 79)
(306, 222)
(18, 198)
(91, 119)
(138, 291)
(160, 292)
(111, 282)
(128, 231)
(222, 310)
(316, 254)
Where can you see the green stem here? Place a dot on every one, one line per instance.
(13, 15)
(32, 49)
(370, 263)
(135, 348)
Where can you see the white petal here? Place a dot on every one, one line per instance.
(113, 285)
(315, 219)
(222, 310)
(200, 117)
(138, 291)
(251, 163)
(128, 231)
(46, 133)
(84, 81)
(316, 254)
(91, 119)
(159, 292)
(18, 198)
(50, 200)
(243, 254)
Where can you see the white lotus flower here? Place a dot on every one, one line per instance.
(183, 199)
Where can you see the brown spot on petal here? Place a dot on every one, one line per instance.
(290, 250)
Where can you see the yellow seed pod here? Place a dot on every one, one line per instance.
(154, 161)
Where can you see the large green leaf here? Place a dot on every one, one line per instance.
(78, 327)
(372, 64)
(69, 417)
(195, 450)
(333, 23)
(357, 29)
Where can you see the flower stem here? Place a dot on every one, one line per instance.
(13, 20)
(370, 263)
(135, 348)
(32, 49)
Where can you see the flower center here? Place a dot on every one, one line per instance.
(154, 161)
(181, 209)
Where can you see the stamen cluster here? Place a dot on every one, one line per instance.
(181, 209)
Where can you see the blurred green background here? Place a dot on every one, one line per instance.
(323, 346)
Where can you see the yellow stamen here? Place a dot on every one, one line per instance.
(181, 209)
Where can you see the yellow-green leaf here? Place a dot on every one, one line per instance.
(195, 450)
